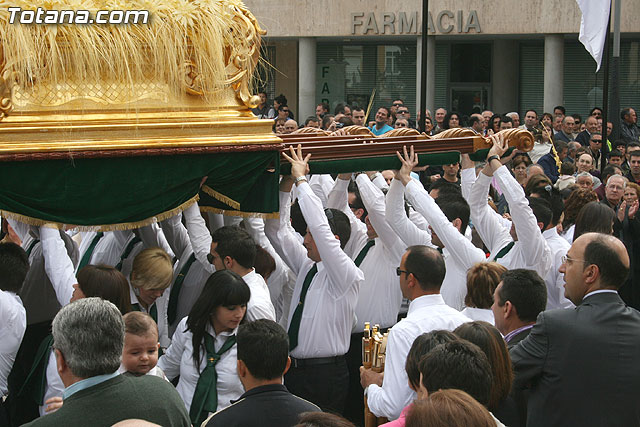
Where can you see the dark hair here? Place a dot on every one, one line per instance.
(568, 168)
(633, 144)
(357, 200)
(610, 170)
(386, 109)
(426, 265)
(594, 109)
(454, 206)
(615, 153)
(14, 266)
(447, 117)
(263, 346)
(457, 364)
(234, 242)
(223, 288)
(577, 118)
(557, 206)
(541, 210)
(634, 153)
(474, 119)
(339, 109)
(449, 408)
(594, 217)
(561, 108)
(538, 184)
(560, 146)
(491, 122)
(297, 219)
(506, 119)
(281, 107)
(618, 142)
(324, 106)
(578, 198)
(482, 280)
(594, 134)
(600, 252)
(322, 419)
(546, 115)
(422, 345)
(534, 112)
(311, 119)
(447, 187)
(281, 99)
(357, 108)
(526, 291)
(265, 265)
(107, 283)
(625, 112)
(490, 341)
(339, 224)
(520, 158)
(326, 120)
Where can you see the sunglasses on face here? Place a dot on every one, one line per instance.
(398, 105)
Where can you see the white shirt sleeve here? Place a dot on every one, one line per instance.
(374, 200)
(398, 221)
(464, 252)
(339, 199)
(535, 250)
(392, 397)
(485, 220)
(169, 362)
(284, 239)
(198, 235)
(176, 234)
(340, 268)
(467, 179)
(57, 264)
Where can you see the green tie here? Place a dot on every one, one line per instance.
(31, 246)
(172, 309)
(294, 326)
(363, 252)
(127, 251)
(153, 310)
(87, 254)
(205, 397)
(504, 251)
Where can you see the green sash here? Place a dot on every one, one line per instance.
(504, 251)
(87, 255)
(172, 309)
(363, 252)
(205, 397)
(35, 386)
(127, 251)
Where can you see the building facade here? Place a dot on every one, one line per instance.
(482, 54)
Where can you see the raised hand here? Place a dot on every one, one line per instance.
(409, 160)
(299, 164)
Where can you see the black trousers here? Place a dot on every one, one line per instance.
(354, 410)
(325, 385)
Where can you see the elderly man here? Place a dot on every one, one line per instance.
(582, 363)
(629, 130)
(515, 118)
(88, 337)
(476, 122)
(591, 127)
(566, 133)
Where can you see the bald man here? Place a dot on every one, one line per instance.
(582, 363)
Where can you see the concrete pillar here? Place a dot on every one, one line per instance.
(306, 78)
(431, 72)
(553, 71)
(504, 76)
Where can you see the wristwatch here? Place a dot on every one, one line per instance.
(300, 178)
(495, 156)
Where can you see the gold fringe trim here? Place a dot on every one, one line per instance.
(104, 227)
(220, 197)
(273, 215)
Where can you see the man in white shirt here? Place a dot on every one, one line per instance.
(321, 315)
(234, 249)
(421, 272)
(14, 265)
(447, 216)
(521, 245)
(377, 251)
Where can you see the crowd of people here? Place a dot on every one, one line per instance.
(507, 289)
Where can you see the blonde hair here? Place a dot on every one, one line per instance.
(139, 324)
(152, 270)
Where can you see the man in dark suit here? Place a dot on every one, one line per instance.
(582, 363)
(565, 134)
(263, 359)
(591, 127)
(518, 299)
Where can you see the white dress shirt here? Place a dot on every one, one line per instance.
(568, 234)
(531, 250)
(281, 281)
(554, 279)
(178, 360)
(484, 314)
(426, 313)
(13, 323)
(328, 315)
(107, 250)
(260, 305)
(380, 296)
(459, 253)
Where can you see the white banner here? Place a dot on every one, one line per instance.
(593, 26)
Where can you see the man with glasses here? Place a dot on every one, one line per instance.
(595, 149)
(582, 363)
(395, 105)
(421, 273)
(402, 113)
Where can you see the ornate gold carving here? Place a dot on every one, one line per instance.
(6, 84)
(401, 132)
(455, 133)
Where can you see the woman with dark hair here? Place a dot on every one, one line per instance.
(519, 165)
(572, 206)
(203, 350)
(490, 341)
(594, 217)
(494, 123)
(451, 120)
(103, 281)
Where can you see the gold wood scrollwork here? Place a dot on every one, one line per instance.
(6, 104)
(242, 55)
